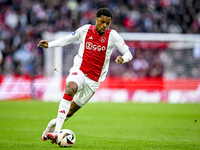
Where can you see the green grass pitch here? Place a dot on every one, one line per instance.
(109, 126)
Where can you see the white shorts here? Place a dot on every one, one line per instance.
(86, 86)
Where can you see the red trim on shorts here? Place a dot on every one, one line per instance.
(67, 97)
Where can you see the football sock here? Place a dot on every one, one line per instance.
(64, 107)
(52, 123)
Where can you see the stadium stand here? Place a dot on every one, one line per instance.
(23, 22)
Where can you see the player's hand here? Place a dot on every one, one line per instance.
(43, 43)
(119, 60)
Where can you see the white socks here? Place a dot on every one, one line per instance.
(52, 123)
(62, 112)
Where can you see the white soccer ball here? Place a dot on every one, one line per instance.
(66, 138)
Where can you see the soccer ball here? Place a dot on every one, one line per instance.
(66, 138)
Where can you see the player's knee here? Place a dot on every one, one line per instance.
(71, 88)
(70, 92)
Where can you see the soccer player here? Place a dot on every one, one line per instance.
(90, 66)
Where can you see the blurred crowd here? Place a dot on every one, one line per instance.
(22, 23)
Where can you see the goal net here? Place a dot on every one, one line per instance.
(168, 63)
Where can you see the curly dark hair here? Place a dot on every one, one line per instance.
(105, 12)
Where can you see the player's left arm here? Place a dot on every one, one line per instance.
(119, 60)
(120, 45)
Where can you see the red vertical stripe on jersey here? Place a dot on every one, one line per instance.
(94, 53)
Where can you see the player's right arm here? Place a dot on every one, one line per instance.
(43, 43)
(75, 36)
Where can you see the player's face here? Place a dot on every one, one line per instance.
(102, 24)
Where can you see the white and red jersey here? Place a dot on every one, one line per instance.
(95, 50)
